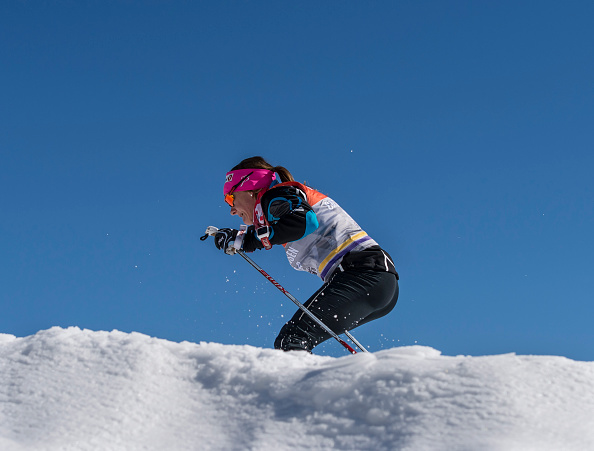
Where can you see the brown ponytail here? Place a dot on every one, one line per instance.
(261, 163)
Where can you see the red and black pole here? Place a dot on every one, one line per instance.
(212, 231)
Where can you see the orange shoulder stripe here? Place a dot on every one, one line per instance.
(313, 196)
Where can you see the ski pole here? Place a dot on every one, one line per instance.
(212, 231)
(301, 306)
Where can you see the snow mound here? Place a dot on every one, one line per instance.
(72, 389)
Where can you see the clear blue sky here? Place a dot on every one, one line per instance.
(458, 133)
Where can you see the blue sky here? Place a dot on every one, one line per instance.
(458, 134)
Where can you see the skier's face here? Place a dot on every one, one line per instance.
(243, 206)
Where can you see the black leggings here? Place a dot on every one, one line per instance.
(350, 299)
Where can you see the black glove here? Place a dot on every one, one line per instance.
(225, 238)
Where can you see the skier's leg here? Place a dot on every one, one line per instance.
(383, 311)
(351, 298)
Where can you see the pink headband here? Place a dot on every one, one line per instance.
(248, 179)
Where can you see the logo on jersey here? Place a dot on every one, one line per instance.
(259, 216)
(291, 253)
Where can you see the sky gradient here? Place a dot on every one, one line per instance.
(458, 134)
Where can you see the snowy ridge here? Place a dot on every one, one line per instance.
(72, 389)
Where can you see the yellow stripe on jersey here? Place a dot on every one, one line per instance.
(343, 246)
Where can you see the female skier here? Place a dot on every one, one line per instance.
(360, 280)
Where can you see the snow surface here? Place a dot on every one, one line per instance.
(72, 389)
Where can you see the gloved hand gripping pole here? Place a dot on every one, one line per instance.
(211, 231)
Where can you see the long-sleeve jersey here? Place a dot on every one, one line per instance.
(318, 235)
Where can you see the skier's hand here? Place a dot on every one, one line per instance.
(224, 239)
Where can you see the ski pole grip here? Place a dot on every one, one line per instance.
(210, 231)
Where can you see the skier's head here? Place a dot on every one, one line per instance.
(261, 163)
(246, 180)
